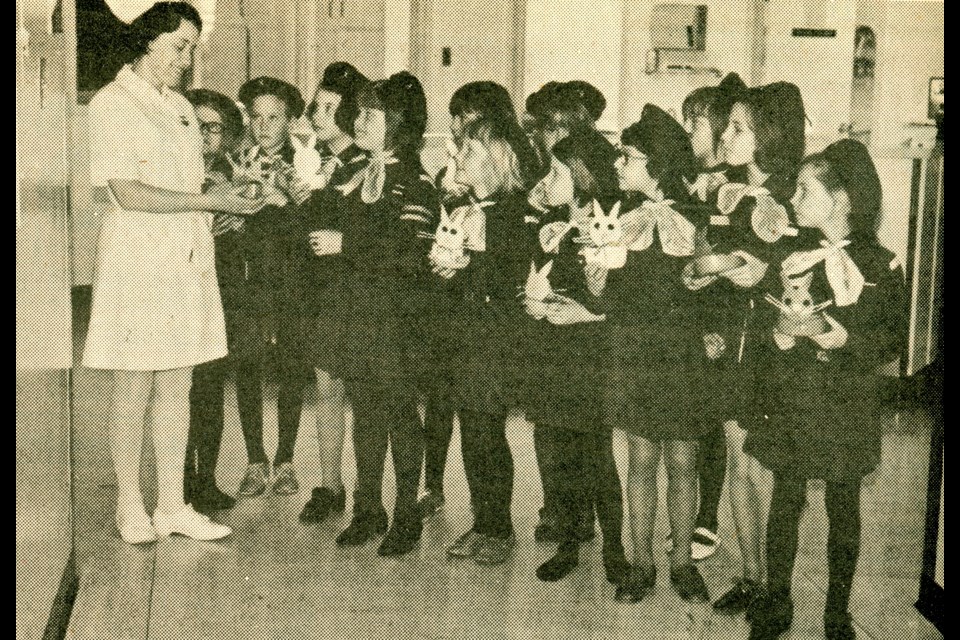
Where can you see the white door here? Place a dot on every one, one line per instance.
(811, 44)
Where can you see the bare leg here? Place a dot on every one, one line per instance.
(331, 427)
(642, 496)
(128, 413)
(681, 462)
(171, 404)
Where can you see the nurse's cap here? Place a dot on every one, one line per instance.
(342, 78)
(662, 139)
(267, 86)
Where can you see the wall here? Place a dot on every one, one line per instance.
(729, 47)
(910, 51)
(480, 35)
(576, 40)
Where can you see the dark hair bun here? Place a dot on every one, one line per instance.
(283, 91)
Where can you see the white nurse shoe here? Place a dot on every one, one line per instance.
(134, 525)
(189, 523)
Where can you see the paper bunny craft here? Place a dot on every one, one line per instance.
(538, 292)
(458, 232)
(605, 232)
(307, 163)
(799, 316)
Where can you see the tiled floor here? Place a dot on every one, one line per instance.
(276, 579)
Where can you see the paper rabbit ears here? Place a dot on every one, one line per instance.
(599, 213)
(297, 145)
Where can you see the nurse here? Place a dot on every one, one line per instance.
(156, 310)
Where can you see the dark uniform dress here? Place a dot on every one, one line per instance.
(819, 408)
(325, 300)
(729, 310)
(482, 350)
(564, 398)
(820, 418)
(654, 343)
(247, 259)
(274, 229)
(247, 305)
(439, 407)
(386, 341)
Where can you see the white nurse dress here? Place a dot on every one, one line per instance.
(156, 302)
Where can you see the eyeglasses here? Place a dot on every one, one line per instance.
(212, 128)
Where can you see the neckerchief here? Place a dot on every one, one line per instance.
(675, 231)
(371, 178)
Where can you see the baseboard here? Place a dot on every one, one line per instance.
(930, 602)
(62, 608)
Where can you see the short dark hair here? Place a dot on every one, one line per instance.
(402, 100)
(778, 119)
(846, 166)
(343, 79)
(228, 110)
(714, 104)
(162, 17)
(591, 159)
(488, 99)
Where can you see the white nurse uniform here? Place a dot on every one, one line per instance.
(156, 302)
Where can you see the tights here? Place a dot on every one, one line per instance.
(589, 476)
(438, 428)
(711, 468)
(382, 415)
(843, 540)
(488, 464)
(680, 457)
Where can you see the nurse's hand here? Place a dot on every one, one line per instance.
(224, 197)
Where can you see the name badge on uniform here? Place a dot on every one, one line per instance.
(719, 221)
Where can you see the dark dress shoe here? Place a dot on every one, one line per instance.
(364, 526)
(561, 564)
(640, 582)
(206, 497)
(403, 536)
(838, 626)
(773, 615)
(740, 598)
(615, 564)
(689, 583)
(318, 507)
